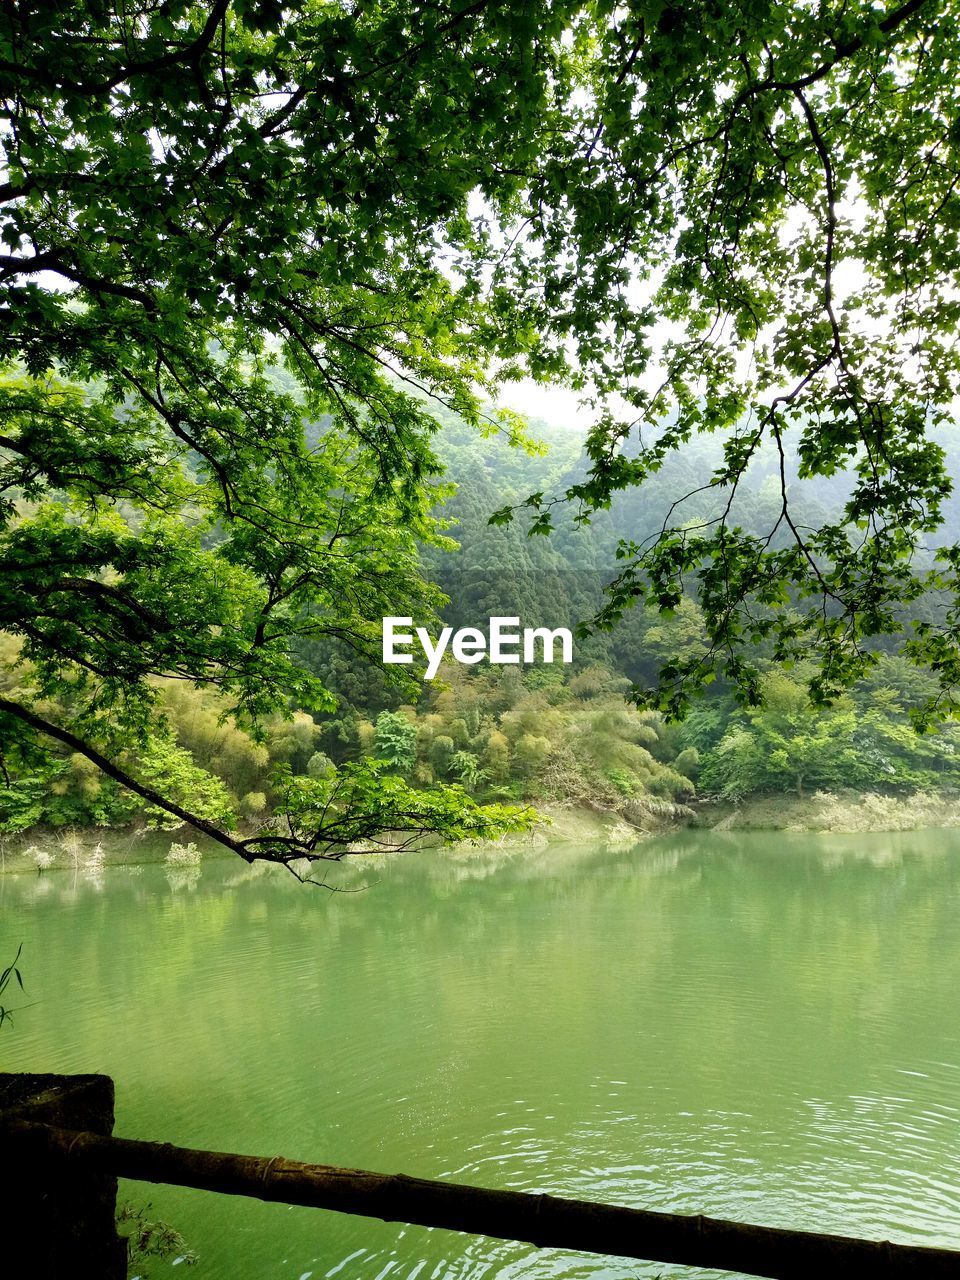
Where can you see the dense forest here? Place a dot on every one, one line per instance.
(573, 734)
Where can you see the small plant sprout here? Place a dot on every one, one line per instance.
(148, 1240)
(6, 977)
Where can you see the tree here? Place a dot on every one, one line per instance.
(747, 225)
(861, 741)
(787, 740)
(222, 296)
(395, 741)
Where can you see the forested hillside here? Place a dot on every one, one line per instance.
(568, 734)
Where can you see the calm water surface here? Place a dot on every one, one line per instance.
(751, 1026)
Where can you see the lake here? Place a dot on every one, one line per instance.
(760, 1027)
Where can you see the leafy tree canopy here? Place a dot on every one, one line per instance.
(223, 289)
(747, 224)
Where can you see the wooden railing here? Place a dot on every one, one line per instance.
(83, 1157)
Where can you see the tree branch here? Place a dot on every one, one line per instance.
(189, 53)
(113, 770)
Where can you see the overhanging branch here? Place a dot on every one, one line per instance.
(113, 770)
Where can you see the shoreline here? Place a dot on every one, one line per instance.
(837, 812)
(820, 812)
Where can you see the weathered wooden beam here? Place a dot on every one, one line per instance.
(543, 1220)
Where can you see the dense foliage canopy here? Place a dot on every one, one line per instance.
(247, 246)
(222, 237)
(750, 228)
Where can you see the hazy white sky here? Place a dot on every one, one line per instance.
(557, 405)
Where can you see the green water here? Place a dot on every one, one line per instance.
(757, 1027)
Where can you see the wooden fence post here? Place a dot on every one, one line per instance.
(59, 1222)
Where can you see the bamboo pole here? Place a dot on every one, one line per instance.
(546, 1221)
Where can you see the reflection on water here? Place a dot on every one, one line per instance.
(751, 1026)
